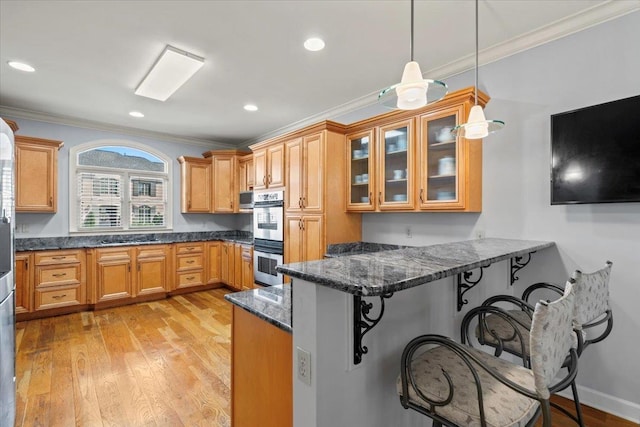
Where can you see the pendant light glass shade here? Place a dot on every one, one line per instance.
(413, 91)
(477, 126)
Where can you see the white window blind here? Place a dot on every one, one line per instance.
(148, 202)
(99, 200)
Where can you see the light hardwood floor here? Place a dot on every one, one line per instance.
(162, 363)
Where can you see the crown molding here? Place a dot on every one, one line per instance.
(19, 113)
(571, 24)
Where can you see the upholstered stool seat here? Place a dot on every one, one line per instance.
(503, 405)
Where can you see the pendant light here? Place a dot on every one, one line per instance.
(477, 126)
(413, 91)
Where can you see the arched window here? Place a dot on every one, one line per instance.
(118, 186)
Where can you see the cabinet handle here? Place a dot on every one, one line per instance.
(189, 205)
(59, 274)
(264, 180)
(370, 196)
(300, 202)
(190, 248)
(58, 257)
(138, 266)
(232, 204)
(269, 178)
(59, 296)
(129, 266)
(26, 264)
(304, 201)
(422, 195)
(190, 277)
(380, 197)
(190, 261)
(50, 201)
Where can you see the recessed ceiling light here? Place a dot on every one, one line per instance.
(251, 107)
(136, 114)
(314, 44)
(21, 66)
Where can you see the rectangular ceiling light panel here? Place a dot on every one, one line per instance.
(172, 69)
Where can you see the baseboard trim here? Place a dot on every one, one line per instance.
(605, 402)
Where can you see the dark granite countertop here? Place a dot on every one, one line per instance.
(77, 242)
(272, 304)
(352, 248)
(391, 271)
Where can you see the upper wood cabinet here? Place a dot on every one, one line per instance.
(408, 160)
(268, 162)
(246, 174)
(450, 175)
(36, 174)
(305, 174)
(195, 184)
(225, 180)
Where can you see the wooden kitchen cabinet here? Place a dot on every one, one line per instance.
(36, 174)
(189, 265)
(59, 279)
(304, 174)
(268, 162)
(237, 266)
(246, 173)
(113, 278)
(152, 269)
(195, 185)
(24, 281)
(227, 264)
(408, 161)
(213, 251)
(246, 259)
(303, 238)
(450, 173)
(225, 181)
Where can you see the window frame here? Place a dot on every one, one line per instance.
(128, 176)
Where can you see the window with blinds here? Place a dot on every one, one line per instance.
(119, 188)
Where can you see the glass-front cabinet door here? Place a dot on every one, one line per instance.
(395, 166)
(442, 160)
(361, 171)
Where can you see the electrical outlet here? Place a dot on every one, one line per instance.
(479, 234)
(409, 235)
(304, 366)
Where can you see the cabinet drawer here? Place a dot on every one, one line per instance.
(113, 254)
(152, 251)
(189, 248)
(57, 297)
(53, 275)
(191, 278)
(189, 262)
(57, 257)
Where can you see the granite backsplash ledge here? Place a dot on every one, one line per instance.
(76, 242)
(352, 248)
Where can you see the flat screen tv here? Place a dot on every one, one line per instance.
(595, 154)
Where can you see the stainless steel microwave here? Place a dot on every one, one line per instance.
(246, 200)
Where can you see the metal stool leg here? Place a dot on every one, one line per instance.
(576, 400)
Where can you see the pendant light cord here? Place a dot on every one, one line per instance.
(476, 85)
(411, 39)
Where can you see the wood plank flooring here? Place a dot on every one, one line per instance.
(163, 363)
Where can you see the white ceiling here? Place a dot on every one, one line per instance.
(91, 55)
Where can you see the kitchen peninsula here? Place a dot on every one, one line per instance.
(353, 383)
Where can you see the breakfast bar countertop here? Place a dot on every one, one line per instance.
(272, 304)
(390, 271)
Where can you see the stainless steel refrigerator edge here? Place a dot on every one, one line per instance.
(7, 282)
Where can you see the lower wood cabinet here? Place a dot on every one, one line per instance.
(24, 282)
(59, 279)
(112, 274)
(261, 373)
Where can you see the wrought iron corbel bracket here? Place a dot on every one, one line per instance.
(517, 264)
(465, 284)
(363, 322)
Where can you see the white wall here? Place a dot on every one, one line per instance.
(51, 225)
(594, 66)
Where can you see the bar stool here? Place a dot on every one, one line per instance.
(509, 331)
(457, 385)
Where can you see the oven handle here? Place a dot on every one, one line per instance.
(266, 250)
(277, 204)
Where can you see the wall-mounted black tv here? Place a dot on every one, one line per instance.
(595, 154)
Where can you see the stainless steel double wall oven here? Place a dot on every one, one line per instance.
(268, 235)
